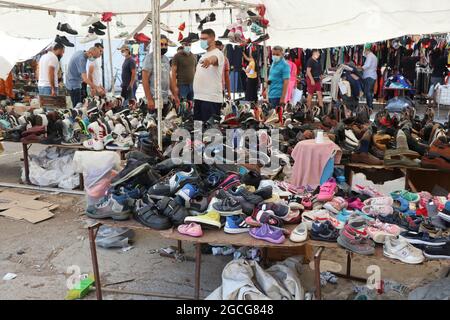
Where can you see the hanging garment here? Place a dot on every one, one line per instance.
(292, 81)
(328, 61)
(236, 82)
(310, 160)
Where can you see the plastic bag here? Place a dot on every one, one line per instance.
(398, 104)
(109, 237)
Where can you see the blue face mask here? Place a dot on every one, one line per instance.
(92, 59)
(276, 59)
(187, 49)
(204, 44)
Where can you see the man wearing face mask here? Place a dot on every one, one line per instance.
(279, 76)
(183, 71)
(314, 78)
(208, 80)
(48, 71)
(129, 85)
(76, 74)
(148, 79)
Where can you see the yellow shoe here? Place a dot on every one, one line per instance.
(211, 219)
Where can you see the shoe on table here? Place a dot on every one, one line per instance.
(442, 252)
(300, 233)
(309, 217)
(327, 191)
(209, 220)
(280, 210)
(192, 230)
(355, 242)
(423, 238)
(113, 206)
(400, 249)
(323, 231)
(261, 217)
(378, 231)
(236, 225)
(366, 158)
(148, 215)
(268, 233)
(228, 207)
(336, 205)
(173, 210)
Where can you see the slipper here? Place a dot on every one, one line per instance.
(409, 196)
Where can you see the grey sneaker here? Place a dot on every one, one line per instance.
(357, 243)
(114, 207)
(228, 207)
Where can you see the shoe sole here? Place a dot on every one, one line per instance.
(346, 246)
(229, 213)
(430, 256)
(236, 231)
(444, 217)
(118, 148)
(421, 242)
(269, 239)
(391, 256)
(131, 174)
(214, 224)
(117, 217)
(315, 238)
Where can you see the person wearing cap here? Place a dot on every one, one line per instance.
(183, 71)
(369, 74)
(48, 70)
(129, 86)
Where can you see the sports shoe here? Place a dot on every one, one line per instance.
(261, 217)
(141, 38)
(321, 215)
(192, 230)
(146, 213)
(112, 206)
(172, 115)
(376, 211)
(181, 178)
(268, 233)
(323, 231)
(72, 142)
(174, 211)
(186, 194)
(383, 201)
(121, 143)
(280, 210)
(211, 219)
(159, 191)
(378, 231)
(89, 38)
(336, 205)
(265, 192)
(91, 20)
(400, 249)
(96, 31)
(423, 238)
(228, 207)
(327, 190)
(99, 25)
(248, 196)
(442, 252)
(350, 239)
(64, 41)
(300, 233)
(236, 225)
(65, 27)
(92, 144)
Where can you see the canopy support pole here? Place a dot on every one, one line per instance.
(113, 87)
(156, 32)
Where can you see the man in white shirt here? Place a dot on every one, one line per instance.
(48, 71)
(370, 74)
(94, 72)
(208, 80)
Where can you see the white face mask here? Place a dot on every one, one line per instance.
(276, 59)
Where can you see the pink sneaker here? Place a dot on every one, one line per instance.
(369, 191)
(192, 230)
(378, 231)
(336, 205)
(355, 204)
(327, 191)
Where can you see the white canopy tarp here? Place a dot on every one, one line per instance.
(293, 23)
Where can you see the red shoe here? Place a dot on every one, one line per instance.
(261, 10)
(107, 16)
(280, 114)
(180, 37)
(141, 38)
(182, 27)
(264, 23)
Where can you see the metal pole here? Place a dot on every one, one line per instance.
(111, 60)
(103, 65)
(157, 64)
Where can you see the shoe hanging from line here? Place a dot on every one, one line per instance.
(65, 27)
(90, 20)
(99, 25)
(89, 38)
(64, 41)
(119, 24)
(96, 31)
(107, 16)
(209, 18)
(122, 35)
(182, 26)
(141, 38)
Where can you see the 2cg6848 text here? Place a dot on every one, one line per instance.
(225, 310)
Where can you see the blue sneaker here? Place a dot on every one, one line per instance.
(186, 194)
(236, 225)
(113, 206)
(179, 178)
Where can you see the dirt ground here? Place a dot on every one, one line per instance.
(41, 254)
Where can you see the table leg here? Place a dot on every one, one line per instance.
(349, 264)
(317, 257)
(180, 246)
(81, 182)
(92, 236)
(265, 255)
(198, 264)
(26, 163)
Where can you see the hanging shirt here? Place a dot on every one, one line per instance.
(208, 82)
(370, 66)
(251, 70)
(279, 72)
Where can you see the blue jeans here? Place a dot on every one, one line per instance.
(46, 91)
(274, 102)
(369, 85)
(75, 96)
(186, 91)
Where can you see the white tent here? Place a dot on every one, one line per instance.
(293, 23)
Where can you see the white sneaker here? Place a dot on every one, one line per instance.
(119, 24)
(122, 35)
(93, 144)
(300, 233)
(273, 118)
(400, 249)
(89, 38)
(90, 20)
(172, 114)
(121, 143)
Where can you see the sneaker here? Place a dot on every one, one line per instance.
(327, 190)
(211, 219)
(378, 231)
(336, 205)
(353, 241)
(300, 233)
(64, 41)
(174, 211)
(65, 27)
(236, 225)
(445, 213)
(268, 233)
(91, 20)
(89, 38)
(265, 192)
(159, 191)
(141, 38)
(72, 142)
(248, 196)
(376, 211)
(309, 217)
(323, 231)
(400, 249)
(383, 201)
(121, 143)
(261, 217)
(442, 252)
(172, 115)
(147, 214)
(92, 144)
(113, 206)
(280, 210)
(186, 194)
(181, 178)
(98, 32)
(99, 25)
(191, 230)
(228, 207)
(423, 238)
(133, 169)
